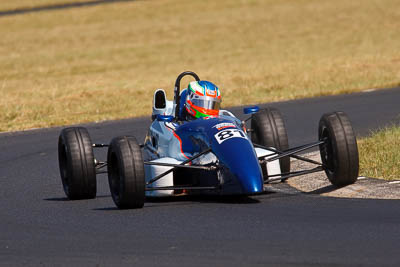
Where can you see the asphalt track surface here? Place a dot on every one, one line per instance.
(54, 7)
(40, 227)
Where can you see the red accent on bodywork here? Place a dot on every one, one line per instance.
(180, 142)
(229, 126)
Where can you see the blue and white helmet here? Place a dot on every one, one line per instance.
(203, 99)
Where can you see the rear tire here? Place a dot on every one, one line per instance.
(269, 130)
(339, 153)
(126, 175)
(76, 162)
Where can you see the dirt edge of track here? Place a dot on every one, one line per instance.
(364, 187)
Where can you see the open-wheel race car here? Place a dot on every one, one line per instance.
(214, 154)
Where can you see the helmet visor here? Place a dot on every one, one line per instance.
(206, 103)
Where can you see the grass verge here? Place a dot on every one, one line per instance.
(380, 155)
(103, 62)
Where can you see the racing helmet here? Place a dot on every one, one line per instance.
(203, 99)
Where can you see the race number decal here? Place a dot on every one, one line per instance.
(228, 134)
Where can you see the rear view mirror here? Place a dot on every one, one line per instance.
(166, 118)
(251, 110)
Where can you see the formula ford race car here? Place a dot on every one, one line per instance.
(212, 155)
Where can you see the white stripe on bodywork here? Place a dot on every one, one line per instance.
(152, 171)
(273, 167)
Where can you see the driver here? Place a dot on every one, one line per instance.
(203, 99)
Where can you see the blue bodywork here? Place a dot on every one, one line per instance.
(240, 171)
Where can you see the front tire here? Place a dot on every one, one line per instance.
(339, 153)
(76, 162)
(268, 129)
(126, 175)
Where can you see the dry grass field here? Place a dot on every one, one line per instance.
(103, 62)
(380, 155)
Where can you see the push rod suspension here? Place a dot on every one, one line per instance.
(100, 145)
(295, 150)
(280, 152)
(100, 165)
(183, 163)
(208, 168)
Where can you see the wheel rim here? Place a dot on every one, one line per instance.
(63, 160)
(255, 134)
(327, 151)
(115, 178)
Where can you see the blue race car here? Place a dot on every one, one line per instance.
(194, 147)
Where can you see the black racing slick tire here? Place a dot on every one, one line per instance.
(268, 129)
(76, 162)
(339, 153)
(126, 176)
